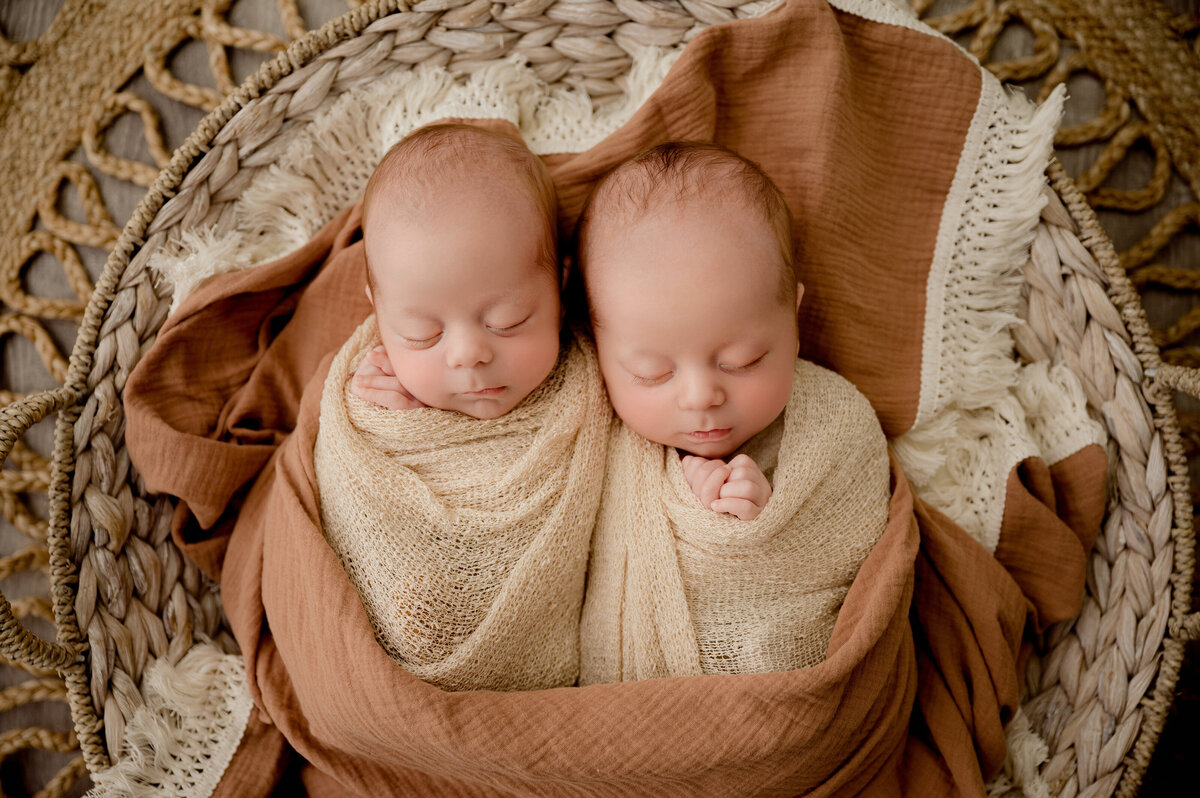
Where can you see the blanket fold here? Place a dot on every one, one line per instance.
(675, 589)
(467, 539)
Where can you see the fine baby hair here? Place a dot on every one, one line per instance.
(436, 160)
(678, 171)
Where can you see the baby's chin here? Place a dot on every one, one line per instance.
(487, 413)
(713, 450)
(482, 409)
(709, 452)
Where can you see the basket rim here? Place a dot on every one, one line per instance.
(64, 575)
(1133, 314)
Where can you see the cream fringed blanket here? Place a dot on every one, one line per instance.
(675, 589)
(467, 539)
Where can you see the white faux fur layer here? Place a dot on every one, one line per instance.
(184, 735)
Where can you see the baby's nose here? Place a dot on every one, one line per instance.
(465, 350)
(701, 393)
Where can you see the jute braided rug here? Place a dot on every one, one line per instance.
(94, 96)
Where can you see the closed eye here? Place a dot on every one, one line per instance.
(420, 343)
(659, 380)
(745, 367)
(508, 328)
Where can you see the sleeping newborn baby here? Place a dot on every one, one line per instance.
(458, 449)
(745, 486)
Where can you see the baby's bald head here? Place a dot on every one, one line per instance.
(437, 164)
(680, 175)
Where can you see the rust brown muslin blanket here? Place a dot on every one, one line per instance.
(862, 124)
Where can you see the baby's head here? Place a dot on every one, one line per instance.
(687, 256)
(460, 229)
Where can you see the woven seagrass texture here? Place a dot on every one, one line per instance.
(1103, 683)
(1102, 689)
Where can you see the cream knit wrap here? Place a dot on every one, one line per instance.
(675, 589)
(467, 539)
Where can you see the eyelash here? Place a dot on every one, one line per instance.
(509, 328)
(650, 381)
(744, 368)
(420, 343)
(425, 343)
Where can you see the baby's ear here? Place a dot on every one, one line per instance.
(799, 294)
(370, 298)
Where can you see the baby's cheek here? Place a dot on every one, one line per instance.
(643, 412)
(420, 375)
(532, 358)
(771, 396)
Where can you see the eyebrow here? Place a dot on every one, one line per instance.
(509, 295)
(645, 354)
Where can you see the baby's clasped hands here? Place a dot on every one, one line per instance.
(738, 487)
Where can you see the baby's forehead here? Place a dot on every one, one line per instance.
(421, 186)
(637, 188)
(629, 241)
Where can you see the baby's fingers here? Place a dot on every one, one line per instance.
(748, 474)
(710, 489)
(378, 358)
(381, 382)
(691, 465)
(392, 400)
(748, 489)
(696, 470)
(739, 508)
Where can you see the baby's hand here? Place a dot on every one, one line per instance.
(745, 491)
(705, 477)
(737, 488)
(375, 381)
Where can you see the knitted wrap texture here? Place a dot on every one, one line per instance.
(676, 589)
(467, 539)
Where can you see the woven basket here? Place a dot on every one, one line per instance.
(124, 596)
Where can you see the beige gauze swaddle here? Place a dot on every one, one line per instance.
(675, 589)
(467, 539)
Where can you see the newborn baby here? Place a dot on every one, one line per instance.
(457, 453)
(462, 272)
(745, 487)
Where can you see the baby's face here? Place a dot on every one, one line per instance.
(696, 347)
(467, 314)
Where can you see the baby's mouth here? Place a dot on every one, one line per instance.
(706, 435)
(486, 392)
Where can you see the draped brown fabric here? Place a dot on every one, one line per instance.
(323, 683)
(861, 124)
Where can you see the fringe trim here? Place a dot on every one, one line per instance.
(987, 226)
(1055, 406)
(991, 213)
(323, 166)
(1027, 753)
(979, 412)
(971, 426)
(960, 461)
(183, 737)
